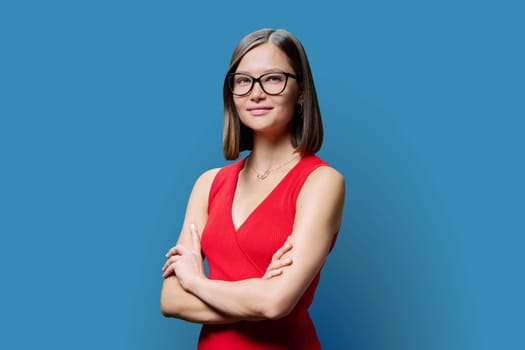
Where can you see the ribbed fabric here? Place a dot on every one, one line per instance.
(234, 255)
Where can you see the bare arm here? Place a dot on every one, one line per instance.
(318, 217)
(175, 301)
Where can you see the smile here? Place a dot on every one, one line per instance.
(259, 110)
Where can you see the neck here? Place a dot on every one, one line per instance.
(268, 153)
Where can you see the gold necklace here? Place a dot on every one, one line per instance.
(267, 172)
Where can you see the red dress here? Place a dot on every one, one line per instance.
(237, 254)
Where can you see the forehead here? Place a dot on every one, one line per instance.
(264, 58)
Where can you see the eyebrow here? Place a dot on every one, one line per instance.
(272, 70)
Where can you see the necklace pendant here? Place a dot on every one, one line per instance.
(263, 175)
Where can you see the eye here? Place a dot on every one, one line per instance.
(242, 80)
(274, 78)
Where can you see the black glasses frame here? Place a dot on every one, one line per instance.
(258, 80)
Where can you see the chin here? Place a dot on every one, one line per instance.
(265, 123)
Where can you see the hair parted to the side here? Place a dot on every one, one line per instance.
(307, 126)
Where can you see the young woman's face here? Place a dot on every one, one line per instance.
(258, 110)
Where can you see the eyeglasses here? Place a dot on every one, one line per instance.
(272, 83)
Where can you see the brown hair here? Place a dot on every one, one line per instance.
(307, 126)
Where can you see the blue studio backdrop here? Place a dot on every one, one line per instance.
(109, 111)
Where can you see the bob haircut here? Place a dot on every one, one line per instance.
(307, 126)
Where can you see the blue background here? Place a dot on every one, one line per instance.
(109, 110)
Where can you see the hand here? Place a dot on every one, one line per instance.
(185, 262)
(277, 263)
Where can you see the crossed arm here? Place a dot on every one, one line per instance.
(193, 297)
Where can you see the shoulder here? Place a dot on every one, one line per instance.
(207, 176)
(204, 181)
(323, 184)
(323, 173)
(323, 178)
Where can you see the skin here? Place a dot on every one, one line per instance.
(187, 293)
(177, 302)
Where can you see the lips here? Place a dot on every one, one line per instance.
(259, 110)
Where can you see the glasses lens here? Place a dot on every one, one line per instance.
(273, 83)
(240, 84)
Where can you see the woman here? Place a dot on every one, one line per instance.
(265, 223)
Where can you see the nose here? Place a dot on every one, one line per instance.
(257, 92)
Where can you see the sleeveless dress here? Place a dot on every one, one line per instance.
(237, 254)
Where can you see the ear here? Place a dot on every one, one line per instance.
(300, 99)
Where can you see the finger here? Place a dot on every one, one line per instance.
(170, 261)
(172, 251)
(281, 251)
(273, 265)
(165, 266)
(283, 262)
(181, 250)
(195, 238)
(272, 273)
(279, 264)
(169, 271)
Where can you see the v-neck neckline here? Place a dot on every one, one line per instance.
(265, 199)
